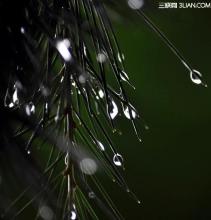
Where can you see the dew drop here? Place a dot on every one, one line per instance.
(121, 57)
(88, 166)
(15, 99)
(118, 159)
(101, 57)
(46, 213)
(112, 109)
(100, 145)
(30, 109)
(124, 76)
(135, 4)
(62, 46)
(73, 215)
(196, 77)
(129, 112)
(22, 30)
(82, 78)
(101, 93)
(91, 195)
(28, 152)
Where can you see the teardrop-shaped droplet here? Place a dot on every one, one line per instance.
(113, 109)
(30, 109)
(196, 77)
(100, 145)
(118, 159)
(129, 112)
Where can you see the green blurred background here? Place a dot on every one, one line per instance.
(171, 170)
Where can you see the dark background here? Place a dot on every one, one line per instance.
(171, 170)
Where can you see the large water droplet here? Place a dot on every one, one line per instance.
(135, 4)
(196, 77)
(73, 215)
(62, 46)
(88, 166)
(113, 109)
(118, 159)
(130, 112)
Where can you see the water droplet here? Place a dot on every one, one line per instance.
(101, 93)
(73, 215)
(118, 159)
(82, 78)
(45, 91)
(15, 99)
(130, 112)
(124, 76)
(121, 57)
(88, 166)
(62, 46)
(196, 77)
(91, 195)
(22, 30)
(101, 57)
(135, 4)
(100, 145)
(30, 109)
(28, 152)
(112, 109)
(46, 212)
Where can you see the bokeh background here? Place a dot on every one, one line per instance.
(170, 170)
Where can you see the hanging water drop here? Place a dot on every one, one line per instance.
(73, 215)
(196, 77)
(129, 112)
(118, 159)
(112, 109)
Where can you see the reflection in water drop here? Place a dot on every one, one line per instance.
(30, 109)
(113, 109)
(62, 46)
(196, 77)
(88, 166)
(46, 212)
(129, 112)
(118, 159)
(135, 4)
